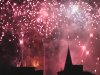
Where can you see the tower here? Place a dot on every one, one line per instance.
(68, 62)
(71, 69)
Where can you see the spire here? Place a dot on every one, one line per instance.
(68, 62)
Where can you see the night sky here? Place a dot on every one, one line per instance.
(36, 33)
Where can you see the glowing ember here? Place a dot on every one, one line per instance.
(35, 62)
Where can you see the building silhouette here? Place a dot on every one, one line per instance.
(20, 71)
(71, 69)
